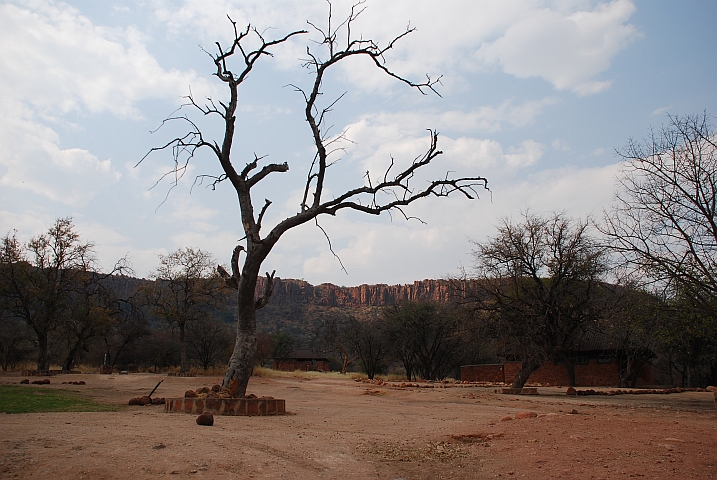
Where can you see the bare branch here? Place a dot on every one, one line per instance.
(331, 248)
(263, 301)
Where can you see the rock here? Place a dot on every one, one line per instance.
(206, 419)
(573, 412)
(216, 388)
(145, 400)
(158, 401)
(190, 394)
(711, 388)
(571, 391)
(45, 381)
(506, 418)
(520, 415)
(250, 395)
(81, 382)
(134, 401)
(25, 382)
(159, 446)
(204, 390)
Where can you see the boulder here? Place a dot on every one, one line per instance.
(711, 388)
(206, 419)
(506, 418)
(190, 394)
(571, 391)
(25, 382)
(520, 415)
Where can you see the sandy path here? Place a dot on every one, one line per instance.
(347, 430)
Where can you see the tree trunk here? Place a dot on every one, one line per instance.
(70, 358)
(241, 362)
(570, 368)
(527, 368)
(182, 350)
(43, 359)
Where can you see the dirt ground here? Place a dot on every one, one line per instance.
(339, 428)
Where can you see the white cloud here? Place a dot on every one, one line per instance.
(568, 49)
(55, 61)
(661, 111)
(567, 43)
(561, 145)
(35, 162)
(381, 137)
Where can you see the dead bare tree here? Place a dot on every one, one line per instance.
(390, 192)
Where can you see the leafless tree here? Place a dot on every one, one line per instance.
(537, 286)
(389, 192)
(664, 221)
(39, 279)
(185, 291)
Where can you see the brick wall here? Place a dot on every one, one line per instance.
(593, 374)
(483, 373)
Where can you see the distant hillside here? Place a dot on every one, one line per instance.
(289, 292)
(296, 306)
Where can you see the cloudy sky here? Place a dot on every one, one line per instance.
(536, 96)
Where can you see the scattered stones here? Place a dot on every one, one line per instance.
(206, 419)
(205, 392)
(145, 400)
(506, 418)
(571, 391)
(45, 381)
(25, 382)
(520, 415)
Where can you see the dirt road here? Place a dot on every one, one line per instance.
(342, 429)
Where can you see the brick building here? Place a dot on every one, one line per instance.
(595, 360)
(595, 372)
(304, 360)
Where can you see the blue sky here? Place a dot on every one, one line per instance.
(536, 96)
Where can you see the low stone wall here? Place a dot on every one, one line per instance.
(226, 406)
(49, 373)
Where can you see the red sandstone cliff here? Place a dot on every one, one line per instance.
(289, 291)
